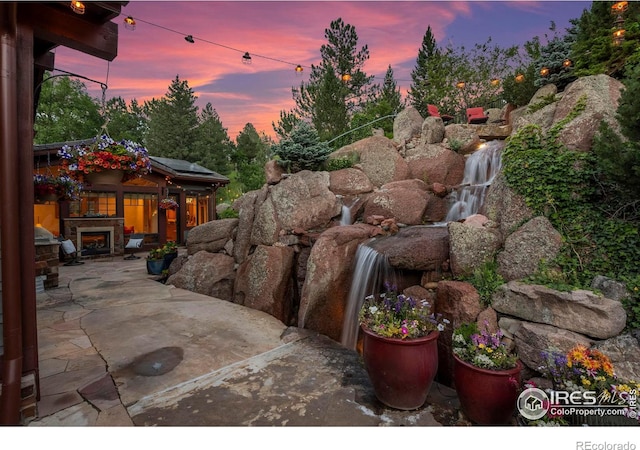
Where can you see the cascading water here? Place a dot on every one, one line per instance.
(345, 218)
(371, 271)
(479, 171)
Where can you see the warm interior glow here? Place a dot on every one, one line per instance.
(77, 7)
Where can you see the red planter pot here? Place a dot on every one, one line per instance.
(401, 371)
(487, 397)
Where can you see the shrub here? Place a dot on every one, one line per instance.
(341, 162)
(302, 149)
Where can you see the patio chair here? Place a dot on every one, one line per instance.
(433, 111)
(476, 115)
(134, 243)
(69, 250)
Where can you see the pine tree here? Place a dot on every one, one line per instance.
(252, 152)
(213, 147)
(328, 100)
(125, 121)
(173, 122)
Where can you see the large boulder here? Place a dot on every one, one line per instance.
(206, 273)
(432, 130)
(402, 200)
(437, 165)
(532, 339)
(416, 248)
(379, 159)
(525, 248)
(581, 311)
(462, 137)
(602, 94)
(471, 247)
(624, 353)
(265, 282)
(458, 302)
(349, 181)
(504, 206)
(211, 236)
(301, 201)
(247, 206)
(329, 277)
(407, 124)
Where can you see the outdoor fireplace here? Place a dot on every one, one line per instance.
(95, 241)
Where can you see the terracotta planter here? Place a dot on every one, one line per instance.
(111, 177)
(487, 397)
(401, 371)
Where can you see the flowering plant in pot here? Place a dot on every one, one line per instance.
(55, 188)
(400, 349)
(584, 369)
(168, 203)
(105, 154)
(486, 375)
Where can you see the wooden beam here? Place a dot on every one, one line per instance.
(45, 62)
(70, 30)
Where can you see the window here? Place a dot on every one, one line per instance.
(47, 215)
(141, 212)
(197, 210)
(94, 204)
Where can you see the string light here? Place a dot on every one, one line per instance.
(345, 77)
(129, 23)
(519, 78)
(77, 7)
(299, 69)
(495, 81)
(461, 84)
(246, 58)
(544, 71)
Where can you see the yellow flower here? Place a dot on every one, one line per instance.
(585, 381)
(481, 346)
(489, 350)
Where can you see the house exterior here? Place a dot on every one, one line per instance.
(105, 215)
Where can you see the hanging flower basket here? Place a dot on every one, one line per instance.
(105, 155)
(49, 188)
(168, 203)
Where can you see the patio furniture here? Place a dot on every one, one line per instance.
(433, 111)
(134, 243)
(476, 115)
(69, 250)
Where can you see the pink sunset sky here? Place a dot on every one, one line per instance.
(281, 35)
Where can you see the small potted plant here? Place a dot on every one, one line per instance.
(170, 250)
(155, 261)
(118, 160)
(486, 375)
(400, 349)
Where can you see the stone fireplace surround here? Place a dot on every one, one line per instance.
(75, 226)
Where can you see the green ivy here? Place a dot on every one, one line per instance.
(562, 185)
(341, 162)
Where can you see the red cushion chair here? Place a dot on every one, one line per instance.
(476, 115)
(433, 111)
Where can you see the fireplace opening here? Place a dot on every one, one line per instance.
(95, 243)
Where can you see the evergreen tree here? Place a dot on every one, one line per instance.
(252, 153)
(328, 100)
(386, 101)
(173, 122)
(125, 122)
(594, 50)
(66, 112)
(286, 123)
(302, 149)
(213, 147)
(553, 57)
(425, 75)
